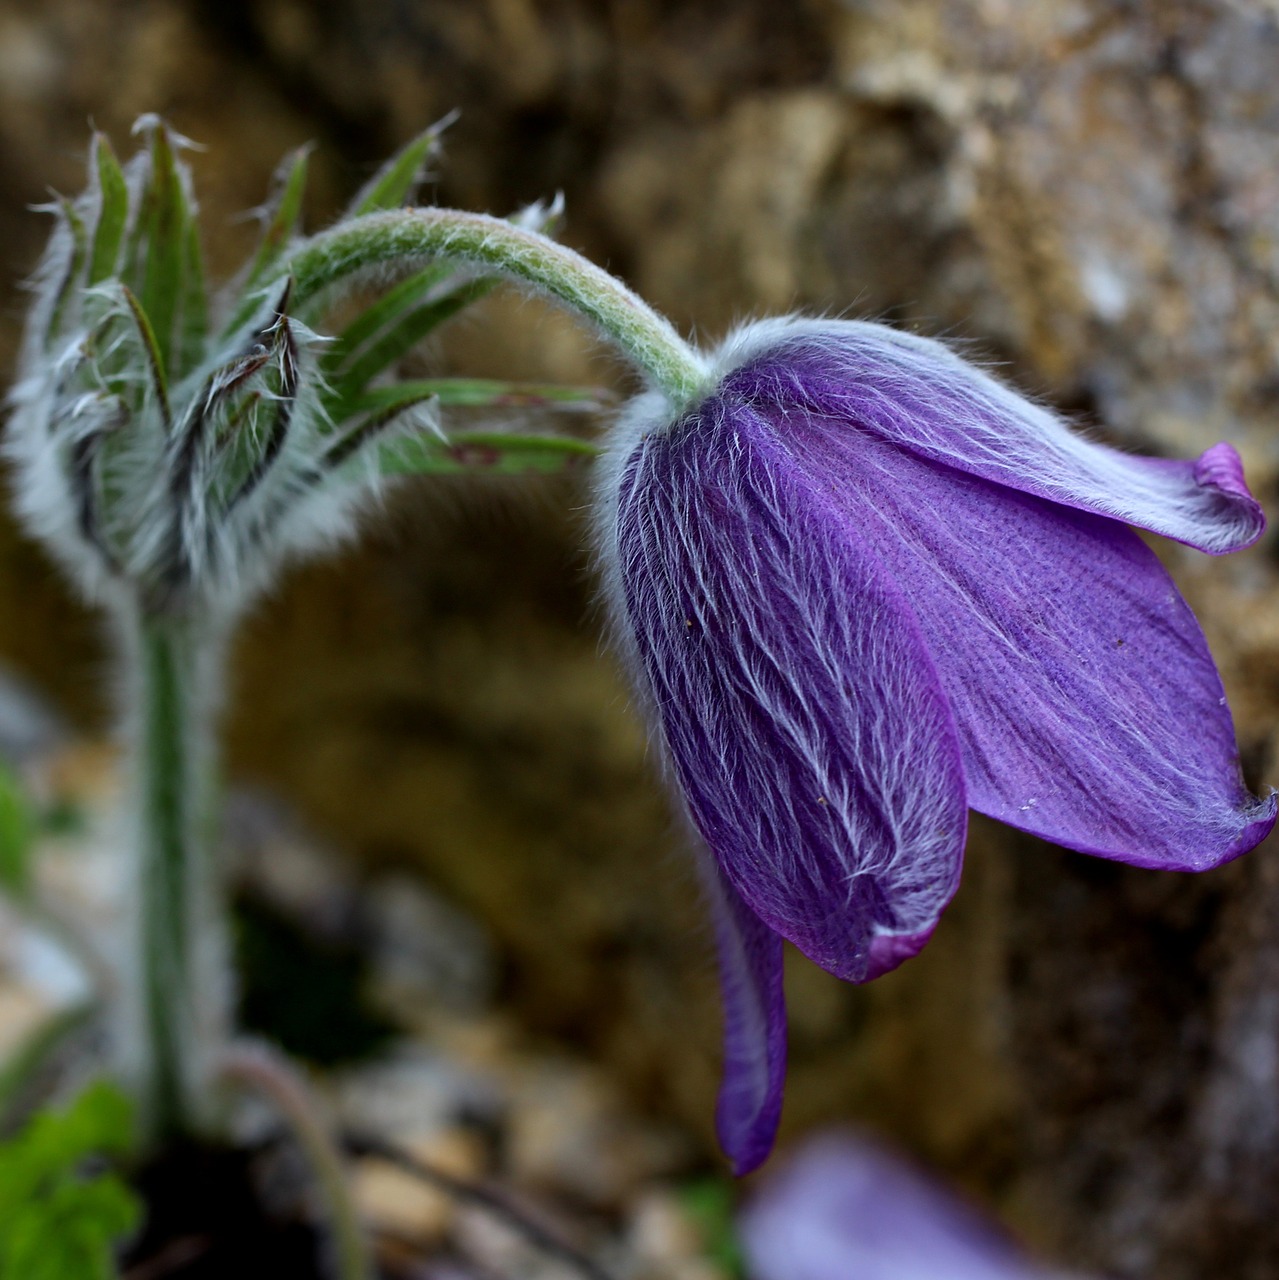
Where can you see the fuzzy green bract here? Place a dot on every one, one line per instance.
(173, 444)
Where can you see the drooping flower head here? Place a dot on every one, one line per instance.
(866, 588)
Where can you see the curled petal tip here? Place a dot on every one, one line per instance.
(915, 394)
(1220, 471)
(890, 950)
(1260, 819)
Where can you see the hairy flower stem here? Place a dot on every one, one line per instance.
(254, 1066)
(401, 240)
(177, 924)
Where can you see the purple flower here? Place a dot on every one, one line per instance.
(866, 588)
(842, 1208)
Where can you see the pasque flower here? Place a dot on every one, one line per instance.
(866, 588)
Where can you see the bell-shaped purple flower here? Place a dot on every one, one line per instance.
(865, 588)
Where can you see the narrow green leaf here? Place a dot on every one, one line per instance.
(283, 213)
(382, 406)
(404, 333)
(155, 357)
(373, 426)
(71, 281)
(487, 453)
(163, 226)
(378, 315)
(396, 181)
(24, 1062)
(194, 315)
(480, 393)
(160, 256)
(17, 829)
(112, 195)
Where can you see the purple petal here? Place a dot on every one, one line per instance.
(1088, 706)
(842, 1208)
(917, 394)
(750, 960)
(801, 710)
(890, 950)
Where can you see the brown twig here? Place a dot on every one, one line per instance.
(175, 1254)
(363, 1144)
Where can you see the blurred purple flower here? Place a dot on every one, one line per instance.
(842, 1208)
(865, 588)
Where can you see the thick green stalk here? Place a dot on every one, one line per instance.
(177, 986)
(404, 238)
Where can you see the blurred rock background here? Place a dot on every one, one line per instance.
(1086, 191)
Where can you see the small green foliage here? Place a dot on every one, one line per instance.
(17, 828)
(711, 1203)
(59, 1219)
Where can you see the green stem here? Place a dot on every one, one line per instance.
(405, 238)
(176, 926)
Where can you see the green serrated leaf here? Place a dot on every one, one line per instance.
(398, 178)
(58, 1221)
(486, 453)
(112, 195)
(395, 341)
(17, 831)
(284, 213)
